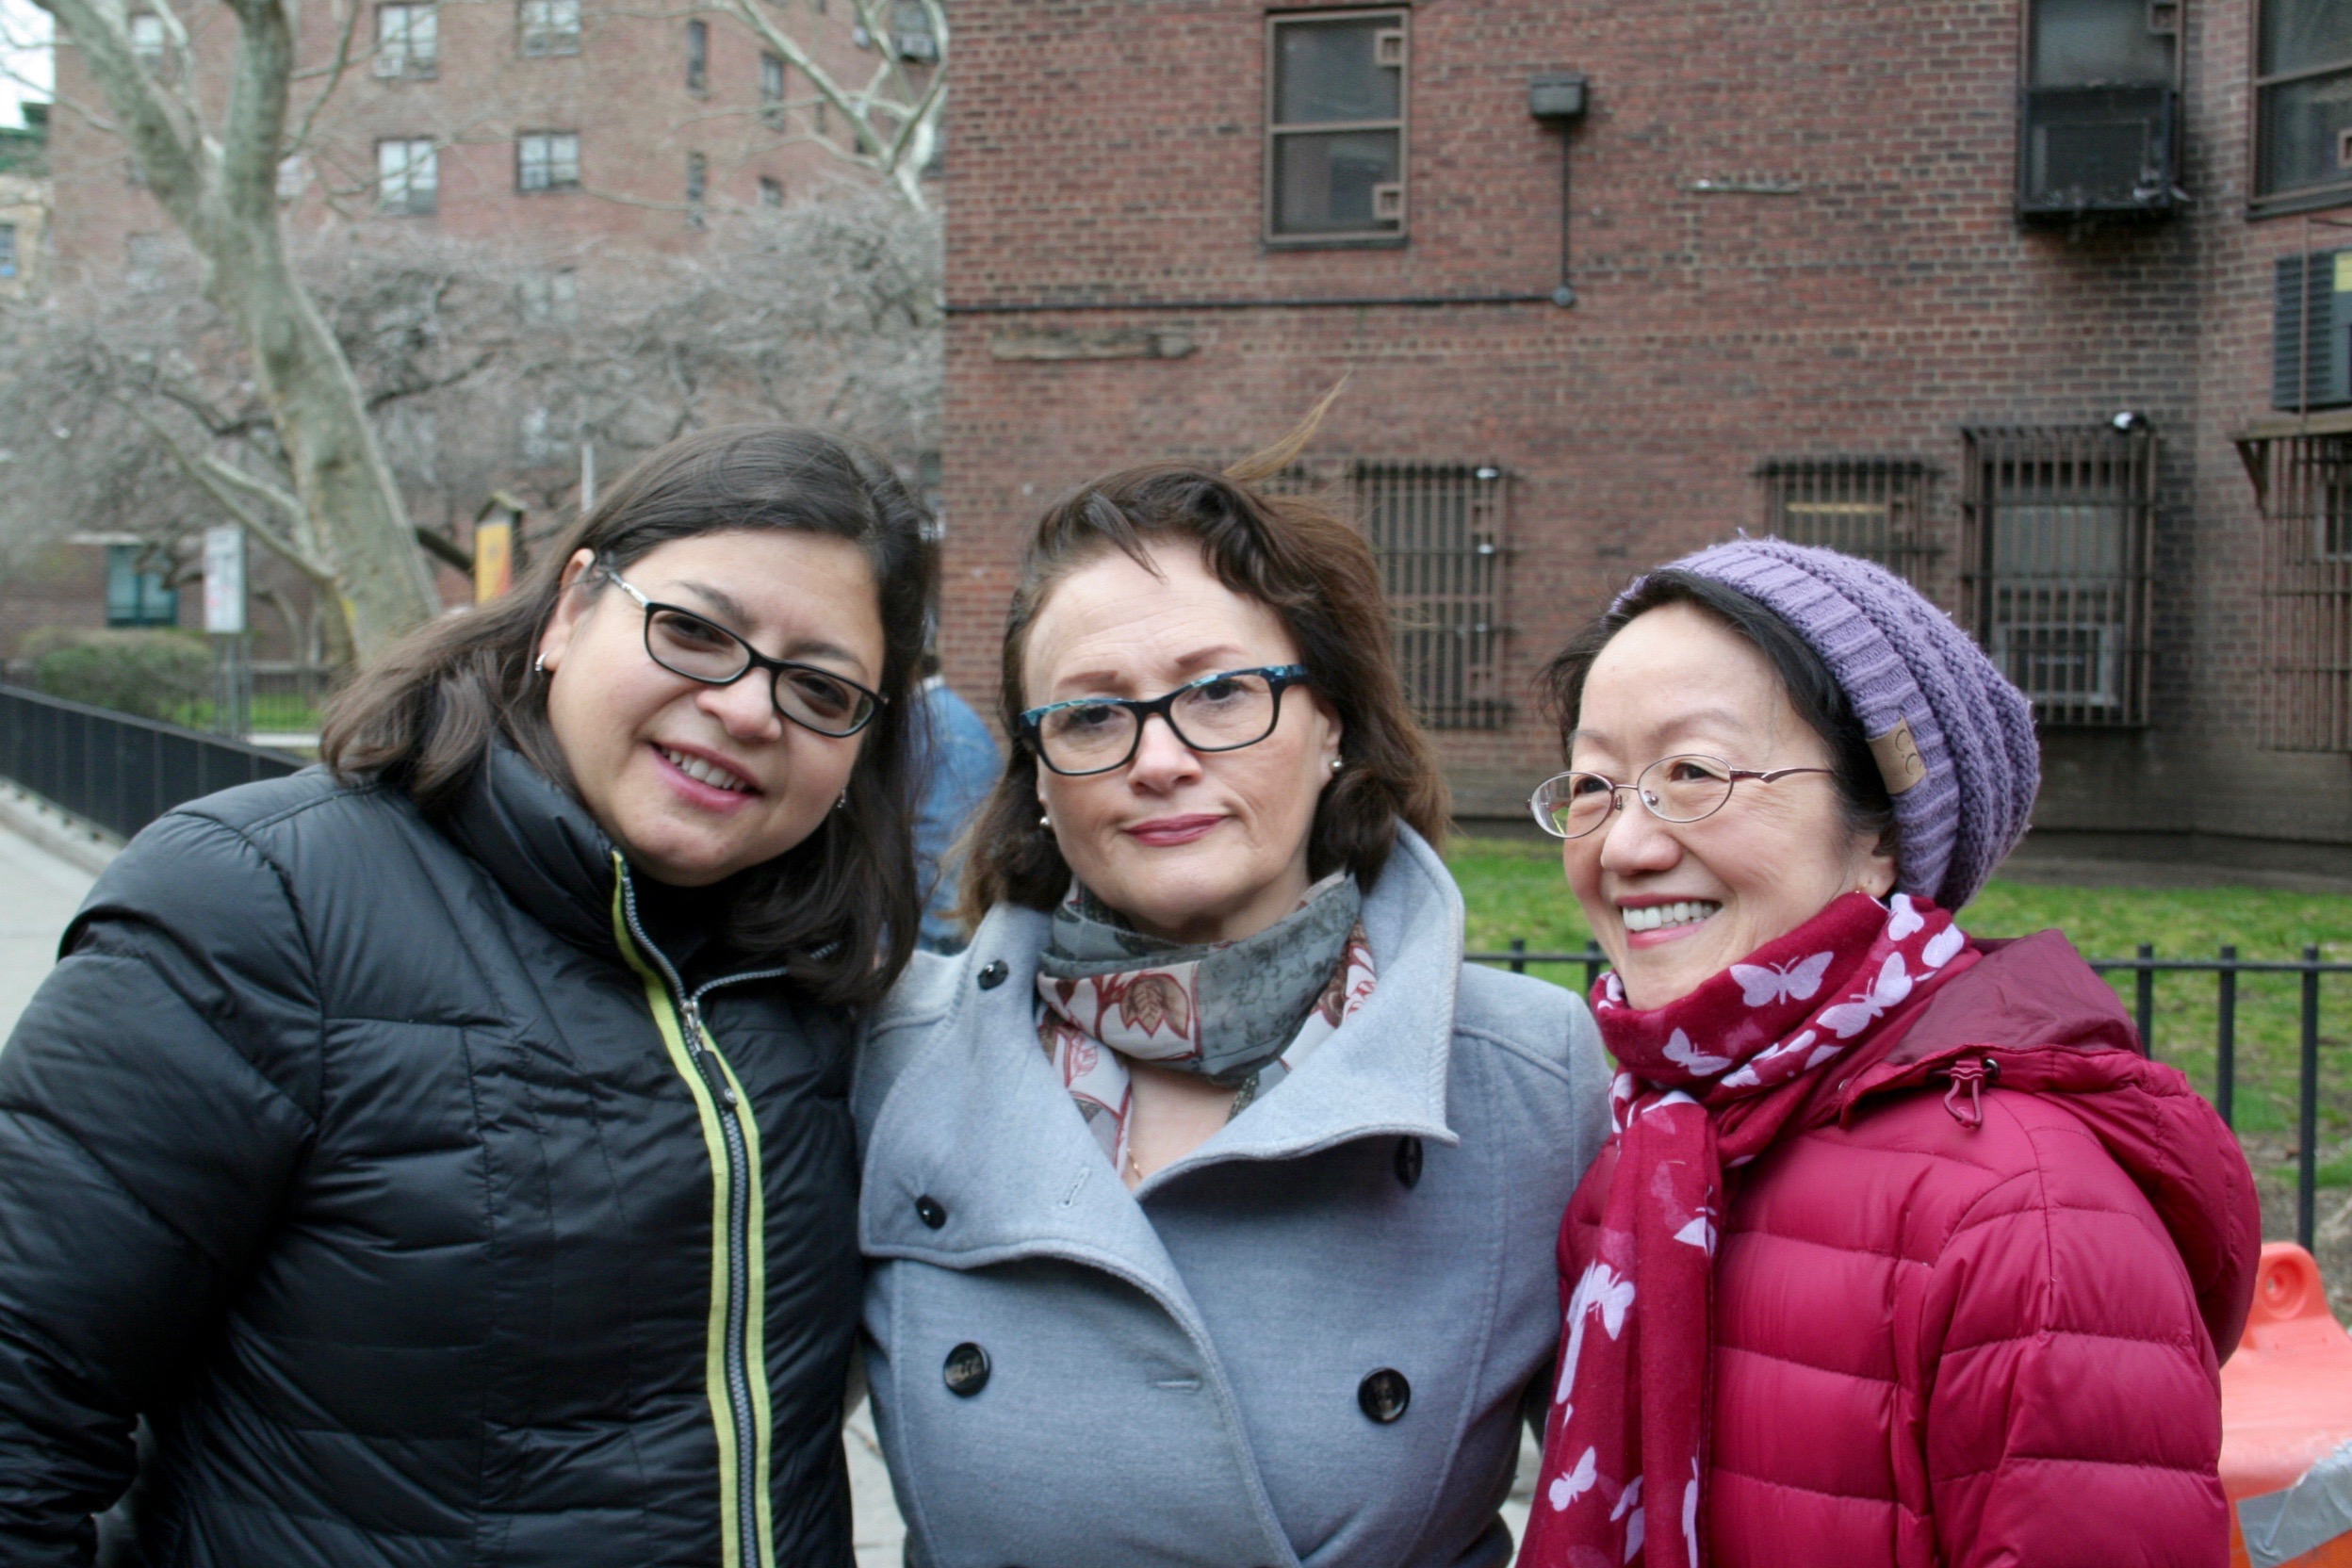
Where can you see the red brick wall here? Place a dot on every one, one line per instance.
(1106, 152)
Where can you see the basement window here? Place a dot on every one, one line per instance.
(1335, 128)
(2303, 488)
(1871, 507)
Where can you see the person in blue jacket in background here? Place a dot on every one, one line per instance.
(957, 775)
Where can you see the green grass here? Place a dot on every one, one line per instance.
(1514, 888)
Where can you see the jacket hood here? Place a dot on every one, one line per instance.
(2044, 1023)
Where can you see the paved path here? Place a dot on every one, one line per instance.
(42, 892)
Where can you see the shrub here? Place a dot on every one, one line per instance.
(157, 674)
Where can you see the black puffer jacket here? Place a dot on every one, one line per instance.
(377, 1162)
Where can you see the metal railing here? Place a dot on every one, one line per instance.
(118, 770)
(2143, 967)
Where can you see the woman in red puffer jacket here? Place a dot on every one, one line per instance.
(1901, 1254)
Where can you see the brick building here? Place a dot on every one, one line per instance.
(1982, 287)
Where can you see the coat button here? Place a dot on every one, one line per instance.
(992, 975)
(967, 1371)
(930, 1211)
(1409, 1160)
(1383, 1396)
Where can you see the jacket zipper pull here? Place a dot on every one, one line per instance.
(697, 1035)
(1973, 1076)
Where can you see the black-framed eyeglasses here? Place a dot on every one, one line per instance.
(1217, 712)
(697, 647)
(1685, 788)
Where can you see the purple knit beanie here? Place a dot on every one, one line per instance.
(1953, 737)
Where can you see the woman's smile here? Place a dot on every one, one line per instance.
(1166, 832)
(701, 779)
(1655, 922)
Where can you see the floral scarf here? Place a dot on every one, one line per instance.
(1708, 1082)
(1242, 1015)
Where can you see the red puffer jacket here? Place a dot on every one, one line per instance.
(1968, 1318)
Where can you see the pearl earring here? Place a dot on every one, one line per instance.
(539, 666)
(1338, 764)
(1044, 820)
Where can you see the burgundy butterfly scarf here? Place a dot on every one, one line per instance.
(1708, 1082)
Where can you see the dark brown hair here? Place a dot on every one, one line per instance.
(1313, 571)
(840, 909)
(1813, 690)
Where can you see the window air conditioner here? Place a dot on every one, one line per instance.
(2092, 150)
(2310, 334)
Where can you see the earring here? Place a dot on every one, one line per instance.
(539, 666)
(1337, 764)
(1044, 820)
(843, 803)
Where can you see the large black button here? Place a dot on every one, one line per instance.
(992, 975)
(967, 1371)
(1409, 1160)
(1383, 1396)
(930, 1211)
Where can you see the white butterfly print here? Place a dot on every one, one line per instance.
(1943, 947)
(1571, 1484)
(1693, 1061)
(1629, 1509)
(1602, 1288)
(1902, 918)
(1850, 1019)
(1763, 983)
(1700, 1234)
(1753, 1073)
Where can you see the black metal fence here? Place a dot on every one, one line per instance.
(117, 770)
(2143, 967)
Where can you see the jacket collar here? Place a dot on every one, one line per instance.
(540, 846)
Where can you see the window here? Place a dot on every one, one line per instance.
(697, 169)
(8, 251)
(2303, 102)
(147, 39)
(771, 192)
(408, 176)
(697, 56)
(1438, 531)
(910, 32)
(772, 90)
(143, 260)
(408, 41)
(548, 160)
(1873, 507)
(2054, 575)
(1335, 128)
(2098, 133)
(136, 593)
(2303, 486)
(550, 296)
(550, 26)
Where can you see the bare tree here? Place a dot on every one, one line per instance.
(340, 511)
(894, 113)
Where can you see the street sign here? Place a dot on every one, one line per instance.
(224, 581)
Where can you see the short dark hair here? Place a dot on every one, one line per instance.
(1313, 571)
(840, 910)
(1813, 690)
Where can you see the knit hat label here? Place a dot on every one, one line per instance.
(1899, 760)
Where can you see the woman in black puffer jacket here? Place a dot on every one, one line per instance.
(445, 1152)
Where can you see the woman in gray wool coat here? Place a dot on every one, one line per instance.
(1209, 1196)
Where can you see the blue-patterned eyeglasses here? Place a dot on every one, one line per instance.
(1217, 712)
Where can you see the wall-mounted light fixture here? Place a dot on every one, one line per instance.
(1557, 98)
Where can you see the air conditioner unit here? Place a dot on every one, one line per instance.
(2311, 333)
(2096, 150)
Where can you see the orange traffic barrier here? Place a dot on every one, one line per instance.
(2286, 1400)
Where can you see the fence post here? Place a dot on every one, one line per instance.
(1518, 946)
(1592, 960)
(2307, 1114)
(2144, 1000)
(2225, 1041)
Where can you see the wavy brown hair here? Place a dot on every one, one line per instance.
(1312, 570)
(840, 909)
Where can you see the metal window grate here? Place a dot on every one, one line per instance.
(1873, 507)
(2054, 579)
(1439, 532)
(2303, 485)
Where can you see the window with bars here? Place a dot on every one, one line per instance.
(408, 41)
(2303, 485)
(1439, 532)
(1335, 127)
(2055, 577)
(546, 160)
(408, 176)
(550, 26)
(697, 56)
(1873, 507)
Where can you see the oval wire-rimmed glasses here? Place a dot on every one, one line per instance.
(1692, 788)
(697, 647)
(1224, 711)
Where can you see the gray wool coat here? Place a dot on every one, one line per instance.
(1305, 1343)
